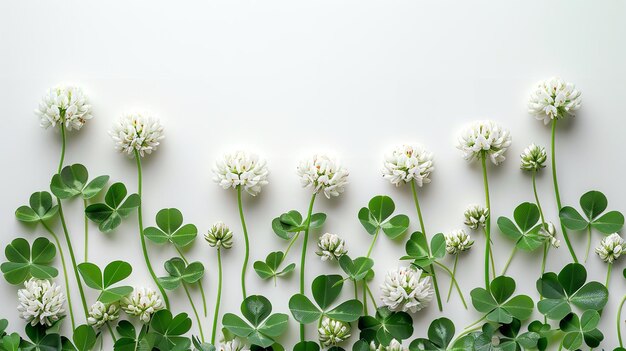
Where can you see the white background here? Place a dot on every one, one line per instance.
(289, 78)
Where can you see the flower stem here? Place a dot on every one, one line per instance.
(483, 160)
(246, 242)
(219, 294)
(195, 312)
(200, 285)
(365, 298)
(458, 289)
(456, 260)
(508, 262)
(293, 240)
(422, 226)
(369, 251)
(141, 235)
(546, 246)
(556, 192)
(369, 292)
(608, 275)
(86, 232)
(111, 332)
(619, 319)
(588, 242)
(356, 290)
(305, 242)
(67, 284)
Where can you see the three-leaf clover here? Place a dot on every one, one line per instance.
(497, 303)
(72, 181)
(40, 339)
(290, 223)
(25, 262)
(357, 269)
(581, 329)
(40, 208)
(171, 229)
(326, 289)
(180, 272)
(569, 288)
(385, 326)
(129, 340)
(167, 331)
(417, 249)
(262, 326)
(376, 215)
(526, 231)
(116, 207)
(269, 268)
(114, 272)
(440, 334)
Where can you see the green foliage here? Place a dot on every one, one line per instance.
(171, 229)
(593, 204)
(39, 340)
(25, 262)
(526, 231)
(84, 338)
(129, 340)
(581, 329)
(385, 326)
(114, 272)
(39, 209)
(290, 223)
(167, 332)
(497, 303)
(417, 249)
(72, 181)
(440, 334)
(261, 327)
(376, 216)
(357, 269)
(270, 268)
(116, 207)
(180, 272)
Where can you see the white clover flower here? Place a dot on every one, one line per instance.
(137, 132)
(67, 105)
(142, 302)
(611, 248)
(232, 345)
(394, 345)
(323, 173)
(40, 302)
(331, 247)
(241, 169)
(554, 99)
(458, 241)
(549, 232)
(407, 163)
(484, 138)
(99, 314)
(476, 216)
(332, 332)
(220, 236)
(533, 158)
(405, 290)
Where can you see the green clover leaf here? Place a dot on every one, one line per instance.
(262, 326)
(72, 181)
(40, 208)
(385, 326)
(129, 340)
(114, 272)
(290, 223)
(376, 216)
(84, 338)
(581, 329)
(166, 331)
(417, 250)
(526, 231)
(357, 269)
(171, 229)
(25, 262)
(40, 340)
(593, 204)
(440, 334)
(497, 303)
(180, 272)
(269, 268)
(116, 207)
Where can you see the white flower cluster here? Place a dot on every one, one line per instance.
(142, 302)
(99, 314)
(137, 132)
(241, 169)
(220, 236)
(611, 248)
(554, 99)
(458, 241)
(67, 105)
(332, 332)
(484, 138)
(232, 345)
(331, 247)
(549, 232)
(394, 345)
(533, 158)
(323, 173)
(476, 216)
(40, 302)
(405, 290)
(407, 163)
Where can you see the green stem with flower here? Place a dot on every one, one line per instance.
(305, 241)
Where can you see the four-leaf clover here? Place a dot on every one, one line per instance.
(25, 262)
(581, 329)
(116, 207)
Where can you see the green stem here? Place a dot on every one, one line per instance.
(305, 242)
(608, 275)
(293, 240)
(246, 241)
(456, 260)
(195, 312)
(588, 242)
(219, 295)
(508, 262)
(86, 232)
(422, 226)
(546, 246)
(483, 160)
(619, 319)
(356, 291)
(111, 332)
(456, 284)
(369, 292)
(369, 251)
(365, 298)
(471, 326)
(556, 192)
(200, 285)
(141, 236)
(67, 284)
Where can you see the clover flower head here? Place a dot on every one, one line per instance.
(323, 173)
(220, 236)
(99, 314)
(611, 248)
(407, 163)
(331, 247)
(40, 302)
(458, 241)
(476, 216)
(549, 232)
(554, 99)
(64, 104)
(241, 169)
(231, 345)
(484, 138)
(394, 345)
(137, 132)
(332, 332)
(142, 302)
(405, 290)
(533, 158)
